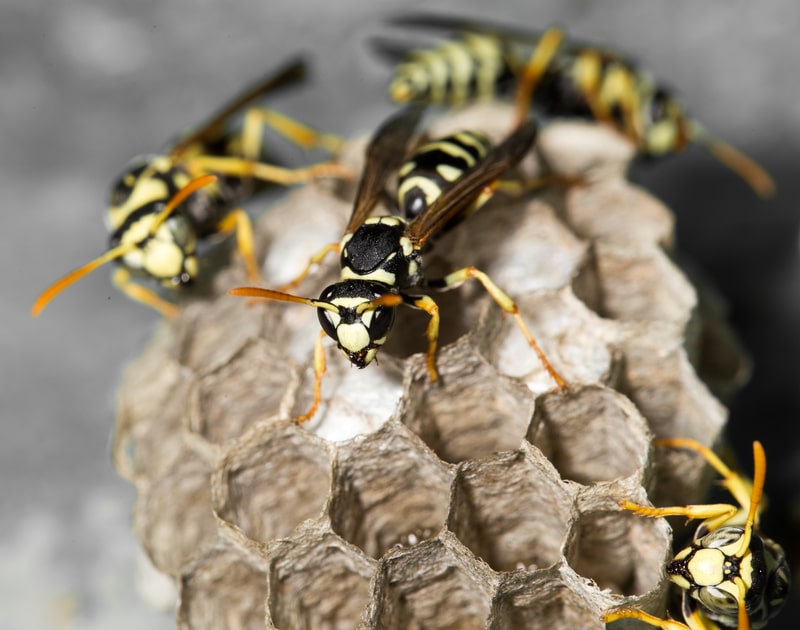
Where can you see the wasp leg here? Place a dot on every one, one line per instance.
(427, 304)
(540, 60)
(316, 259)
(508, 305)
(617, 90)
(319, 372)
(122, 280)
(244, 168)
(664, 624)
(257, 118)
(712, 512)
(519, 187)
(603, 88)
(237, 221)
(739, 486)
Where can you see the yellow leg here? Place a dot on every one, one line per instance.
(715, 511)
(241, 167)
(257, 118)
(316, 259)
(509, 306)
(588, 77)
(319, 372)
(664, 624)
(237, 221)
(122, 280)
(521, 187)
(540, 60)
(738, 485)
(604, 87)
(427, 304)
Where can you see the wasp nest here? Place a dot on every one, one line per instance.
(487, 499)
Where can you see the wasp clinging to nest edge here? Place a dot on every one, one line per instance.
(162, 205)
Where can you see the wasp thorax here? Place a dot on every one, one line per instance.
(379, 251)
(359, 331)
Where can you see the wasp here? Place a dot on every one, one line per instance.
(731, 575)
(381, 257)
(163, 205)
(558, 77)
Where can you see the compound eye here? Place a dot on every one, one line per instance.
(326, 320)
(658, 106)
(722, 537)
(381, 323)
(718, 601)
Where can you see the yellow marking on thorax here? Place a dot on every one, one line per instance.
(149, 186)
(379, 275)
(586, 71)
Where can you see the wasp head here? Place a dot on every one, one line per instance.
(165, 252)
(356, 318)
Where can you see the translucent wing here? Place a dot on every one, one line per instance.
(385, 154)
(291, 72)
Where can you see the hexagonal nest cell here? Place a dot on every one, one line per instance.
(485, 499)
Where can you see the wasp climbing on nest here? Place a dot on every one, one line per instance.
(731, 575)
(381, 257)
(559, 78)
(163, 205)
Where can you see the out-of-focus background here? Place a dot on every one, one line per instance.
(87, 84)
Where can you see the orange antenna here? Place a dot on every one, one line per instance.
(759, 475)
(73, 276)
(389, 299)
(57, 287)
(748, 169)
(269, 294)
(179, 197)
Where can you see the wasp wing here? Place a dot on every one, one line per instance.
(385, 154)
(453, 26)
(291, 72)
(456, 25)
(455, 198)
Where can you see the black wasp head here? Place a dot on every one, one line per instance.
(358, 326)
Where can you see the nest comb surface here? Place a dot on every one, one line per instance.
(488, 499)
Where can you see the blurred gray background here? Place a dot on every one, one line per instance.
(87, 84)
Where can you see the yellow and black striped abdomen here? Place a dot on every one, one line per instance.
(435, 166)
(455, 72)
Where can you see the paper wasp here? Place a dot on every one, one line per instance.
(560, 79)
(732, 576)
(162, 205)
(381, 257)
